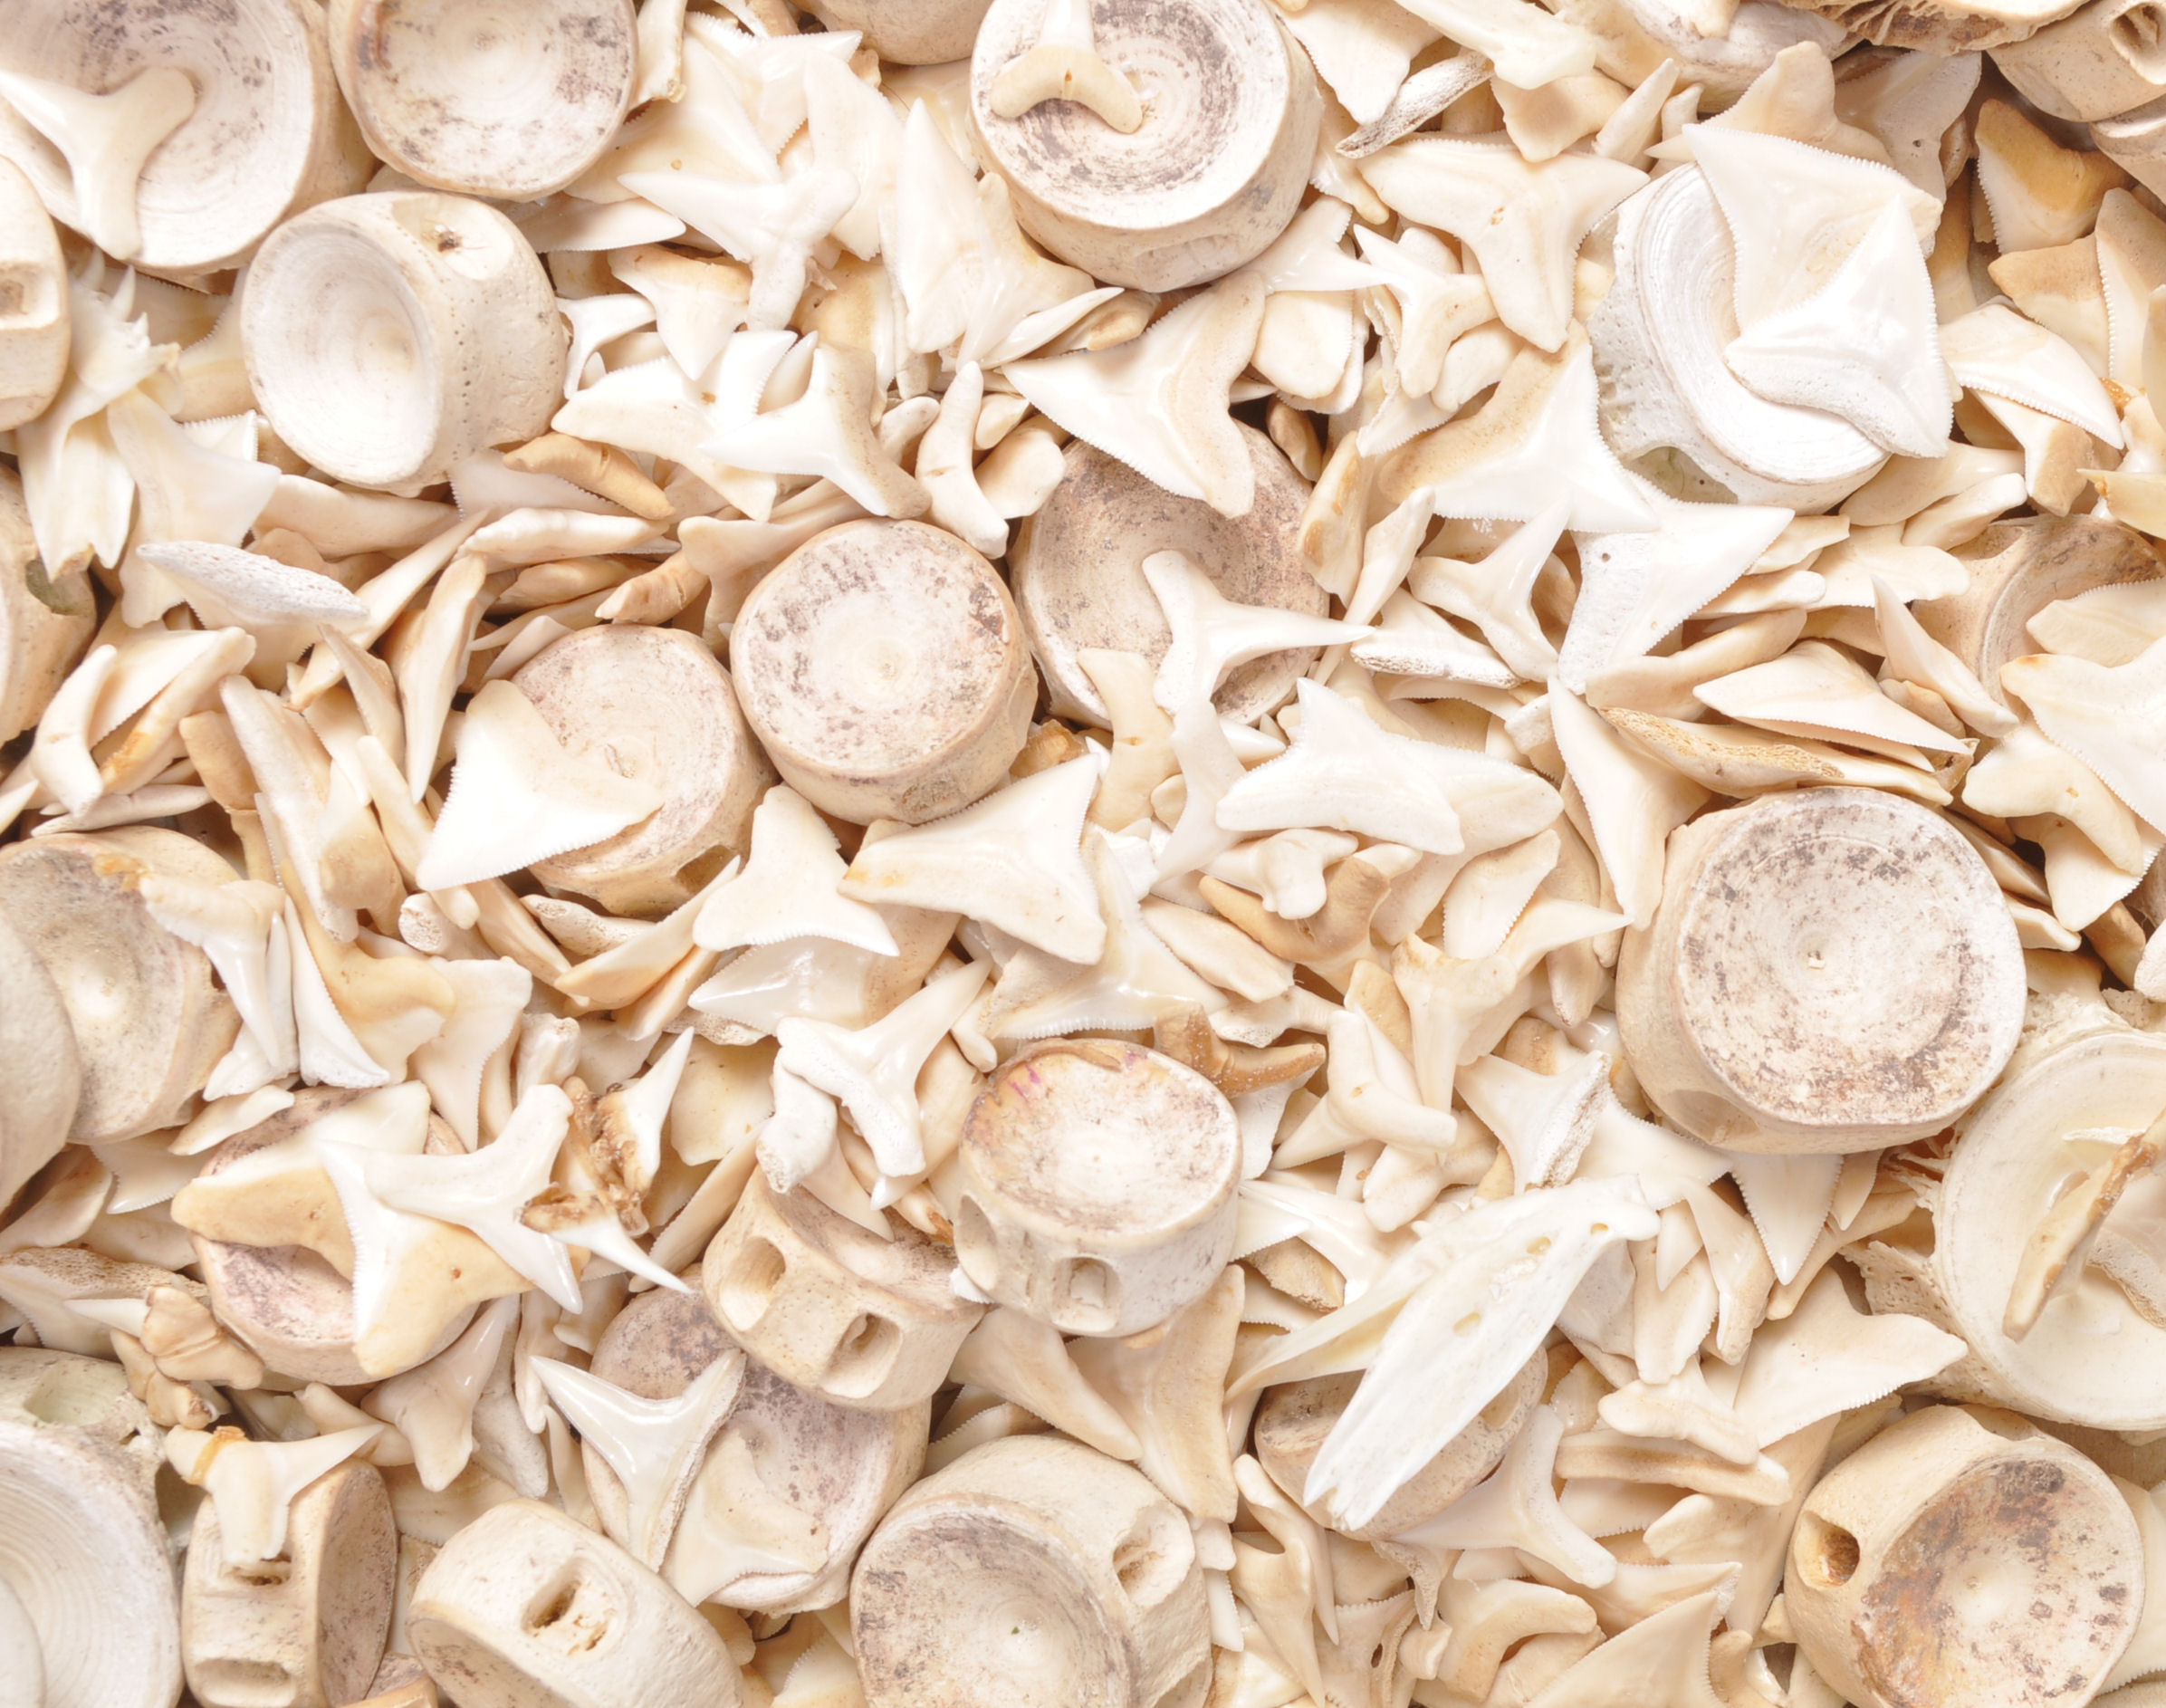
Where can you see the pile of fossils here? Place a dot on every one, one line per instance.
(1270, 853)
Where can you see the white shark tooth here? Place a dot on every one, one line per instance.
(1537, 433)
(1014, 859)
(1914, 656)
(1211, 634)
(773, 227)
(1517, 1507)
(253, 1483)
(2101, 715)
(1636, 586)
(1658, 337)
(1863, 346)
(1419, 99)
(517, 796)
(1732, 760)
(185, 490)
(1064, 65)
(1361, 50)
(1544, 1121)
(1527, 45)
(1996, 350)
(1664, 1659)
(254, 588)
(787, 888)
(1343, 773)
(105, 140)
(1159, 402)
(655, 1446)
(2108, 625)
(1827, 1357)
(485, 1190)
(1632, 800)
(1489, 1332)
(1796, 211)
(1795, 98)
(1412, 640)
(1909, 102)
(873, 1070)
(1524, 222)
(1436, 301)
(1496, 594)
(1849, 568)
(2040, 193)
(827, 433)
(1814, 690)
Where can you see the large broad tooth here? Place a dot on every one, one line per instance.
(1667, 394)
(1994, 350)
(2039, 192)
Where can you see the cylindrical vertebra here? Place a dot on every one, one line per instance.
(1032, 1570)
(909, 32)
(866, 1322)
(883, 666)
(525, 1608)
(1830, 970)
(307, 1629)
(36, 1107)
(655, 704)
(266, 135)
(1098, 1182)
(1209, 179)
(512, 99)
(1294, 1419)
(81, 1545)
(149, 1023)
(1077, 568)
(389, 337)
(2017, 569)
(1964, 1556)
(843, 1468)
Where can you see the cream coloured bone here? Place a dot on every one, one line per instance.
(307, 1629)
(1920, 1510)
(1119, 1246)
(864, 1322)
(974, 1581)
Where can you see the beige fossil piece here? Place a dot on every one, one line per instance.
(1077, 570)
(1294, 1419)
(44, 625)
(1943, 26)
(83, 1547)
(882, 667)
(1964, 1555)
(1033, 1570)
(868, 1323)
(1097, 1186)
(304, 1630)
(148, 1022)
(526, 1607)
(2069, 1101)
(266, 137)
(822, 1475)
(2100, 61)
(910, 31)
(2018, 568)
(1829, 970)
(468, 351)
(34, 334)
(510, 99)
(36, 1109)
(655, 704)
(1203, 185)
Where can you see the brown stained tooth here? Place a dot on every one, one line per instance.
(882, 667)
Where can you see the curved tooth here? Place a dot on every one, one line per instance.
(1994, 350)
